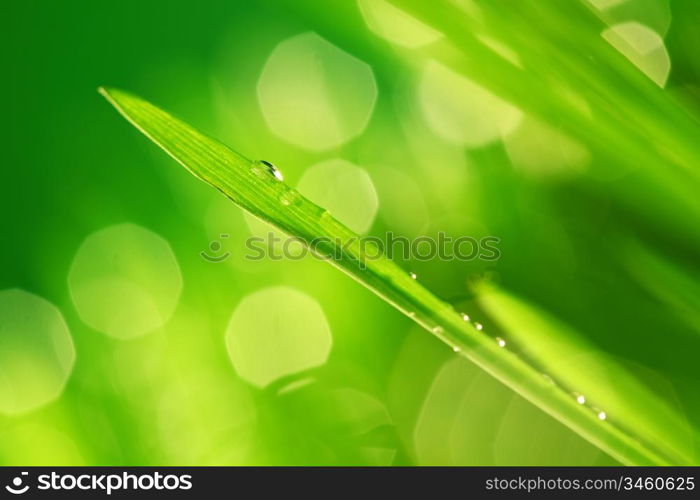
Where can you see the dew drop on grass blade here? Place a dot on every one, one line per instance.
(270, 199)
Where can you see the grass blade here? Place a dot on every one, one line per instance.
(252, 186)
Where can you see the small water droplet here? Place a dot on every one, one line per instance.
(602, 415)
(437, 329)
(580, 399)
(272, 170)
(413, 275)
(478, 326)
(456, 348)
(501, 342)
(549, 380)
(465, 317)
(412, 314)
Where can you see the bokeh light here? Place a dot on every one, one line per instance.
(344, 189)
(461, 111)
(653, 13)
(277, 331)
(315, 95)
(394, 25)
(125, 281)
(503, 50)
(643, 47)
(36, 352)
(542, 150)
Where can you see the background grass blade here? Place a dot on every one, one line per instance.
(253, 187)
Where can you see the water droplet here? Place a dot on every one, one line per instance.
(456, 348)
(437, 329)
(273, 170)
(412, 314)
(549, 380)
(413, 275)
(602, 415)
(465, 317)
(501, 342)
(580, 399)
(478, 326)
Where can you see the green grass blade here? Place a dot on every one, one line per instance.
(604, 381)
(251, 186)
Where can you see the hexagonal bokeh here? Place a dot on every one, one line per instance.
(125, 281)
(315, 95)
(277, 331)
(545, 151)
(653, 13)
(393, 24)
(643, 47)
(344, 189)
(36, 352)
(462, 112)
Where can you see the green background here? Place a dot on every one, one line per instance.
(606, 243)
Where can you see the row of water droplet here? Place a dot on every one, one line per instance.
(580, 398)
(286, 200)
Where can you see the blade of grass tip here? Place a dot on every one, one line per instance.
(257, 188)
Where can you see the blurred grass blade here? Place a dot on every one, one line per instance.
(604, 382)
(251, 185)
(676, 286)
